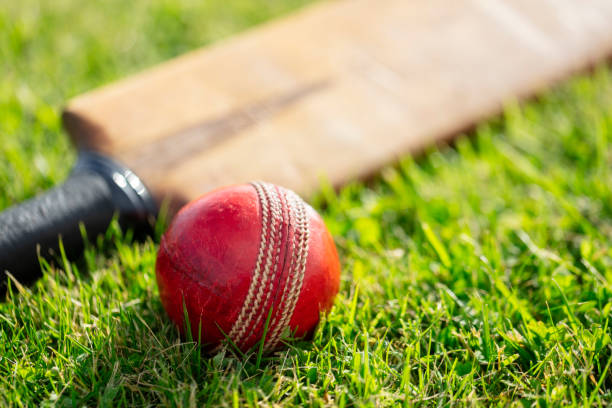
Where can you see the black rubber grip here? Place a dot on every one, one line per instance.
(97, 190)
(35, 225)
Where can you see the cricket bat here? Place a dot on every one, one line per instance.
(336, 90)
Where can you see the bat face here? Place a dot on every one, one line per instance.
(336, 91)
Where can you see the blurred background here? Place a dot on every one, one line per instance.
(51, 51)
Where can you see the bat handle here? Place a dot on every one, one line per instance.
(97, 189)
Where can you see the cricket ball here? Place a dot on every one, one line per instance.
(246, 263)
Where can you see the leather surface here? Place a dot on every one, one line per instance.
(208, 255)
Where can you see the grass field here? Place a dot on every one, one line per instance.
(478, 273)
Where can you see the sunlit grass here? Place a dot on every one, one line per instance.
(480, 272)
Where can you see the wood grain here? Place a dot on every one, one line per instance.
(338, 90)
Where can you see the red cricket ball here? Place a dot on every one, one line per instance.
(244, 258)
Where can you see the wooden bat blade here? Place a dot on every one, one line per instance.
(336, 90)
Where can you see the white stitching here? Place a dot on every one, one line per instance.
(291, 253)
(272, 219)
(239, 325)
(276, 218)
(303, 230)
(273, 263)
(301, 256)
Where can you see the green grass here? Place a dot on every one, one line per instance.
(478, 273)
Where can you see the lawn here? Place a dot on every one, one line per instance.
(480, 272)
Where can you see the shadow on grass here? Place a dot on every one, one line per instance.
(144, 360)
